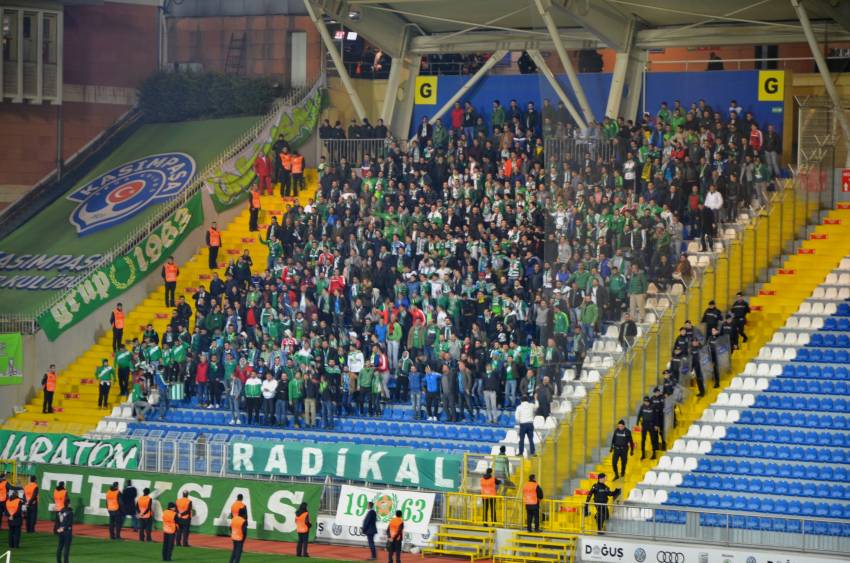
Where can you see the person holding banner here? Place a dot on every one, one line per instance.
(302, 526)
(395, 537)
(370, 529)
(238, 533)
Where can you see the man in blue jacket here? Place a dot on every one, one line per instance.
(370, 529)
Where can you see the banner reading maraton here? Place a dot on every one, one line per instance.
(11, 359)
(230, 183)
(398, 467)
(271, 505)
(108, 282)
(416, 507)
(65, 449)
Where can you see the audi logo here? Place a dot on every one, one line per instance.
(670, 557)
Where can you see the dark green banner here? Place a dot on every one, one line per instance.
(65, 449)
(11, 359)
(108, 282)
(399, 467)
(271, 506)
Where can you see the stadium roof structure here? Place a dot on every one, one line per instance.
(407, 29)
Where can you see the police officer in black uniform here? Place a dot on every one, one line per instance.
(683, 341)
(740, 309)
(62, 527)
(646, 419)
(621, 442)
(712, 346)
(600, 493)
(695, 363)
(729, 329)
(712, 317)
(678, 363)
(657, 402)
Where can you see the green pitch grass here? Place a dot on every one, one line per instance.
(41, 548)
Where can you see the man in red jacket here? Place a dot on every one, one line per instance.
(263, 169)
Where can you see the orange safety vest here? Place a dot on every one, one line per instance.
(144, 505)
(171, 271)
(236, 533)
(50, 383)
(529, 493)
(119, 318)
(286, 161)
(488, 486)
(301, 523)
(59, 496)
(215, 237)
(182, 507)
(168, 524)
(12, 507)
(3, 490)
(298, 164)
(236, 507)
(395, 525)
(112, 501)
(29, 493)
(255, 200)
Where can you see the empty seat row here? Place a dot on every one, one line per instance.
(684, 445)
(794, 419)
(790, 338)
(827, 340)
(773, 469)
(777, 353)
(706, 431)
(648, 496)
(787, 525)
(808, 386)
(721, 415)
(782, 487)
(677, 463)
(834, 293)
(841, 324)
(749, 383)
(820, 308)
(816, 372)
(735, 399)
(662, 478)
(762, 369)
(801, 403)
(821, 355)
(806, 322)
(789, 453)
(836, 278)
(772, 435)
(756, 504)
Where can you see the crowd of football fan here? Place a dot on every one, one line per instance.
(460, 274)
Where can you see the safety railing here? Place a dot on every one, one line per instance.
(563, 148)
(356, 151)
(28, 323)
(579, 442)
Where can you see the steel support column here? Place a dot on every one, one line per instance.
(553, 81)
(824, 73)
(337, 59)
(473, 80)
(565, 59)
(618, 80)
(400, 125)
(634, 84)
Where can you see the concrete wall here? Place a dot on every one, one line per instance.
(40, 352)
(371, 92)
(267, 48)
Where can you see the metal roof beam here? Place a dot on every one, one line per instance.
(482, 42)
(611, 27)
(838, 11)
(383, 29)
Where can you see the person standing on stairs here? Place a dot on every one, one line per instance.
(621, 442)
(263, 170)
(254, 205)
(169, 273)
(116, 319)
(297, 173)
(646, 420)
(213, 239)
(104, 375)
(658, 406)
(600, 493)
(285, 171)
(740, 309)
(48, 384)
(531, 496)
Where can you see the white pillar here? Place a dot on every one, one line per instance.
(565, 60)
(824, 74)
(491, 62)
(337, 59)
(393, 82)
(403, 114)
(550, 76)
(618, 80)
(635, 83)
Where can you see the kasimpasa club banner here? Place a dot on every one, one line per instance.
(271, 505)
(416, 507)
(108, 282)
(399, 467)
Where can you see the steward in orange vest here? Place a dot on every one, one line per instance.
(117, 322)
(214, 243)
(531, 495)
(238, 533)
(169, 273)
(302, 526)
(285, 171)
(31, 500)
(144, 508)
(184, 519)
(297, 173)
(59, 496)
(169, 530)
(48, 384)
(14, 508)
(488, 490)
(395, 537)
(113, 506)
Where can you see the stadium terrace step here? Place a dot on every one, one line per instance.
(474, 542)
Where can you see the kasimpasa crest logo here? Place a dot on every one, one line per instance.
(126, 191)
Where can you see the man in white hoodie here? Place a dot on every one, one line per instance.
(525, 418)
(714, 201)
(269, 390)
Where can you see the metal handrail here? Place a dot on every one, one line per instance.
(167, 209)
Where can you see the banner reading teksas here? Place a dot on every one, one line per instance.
(230, 183)
(416, 507)
(65, 449)
(399, 467)
(108, 282)
(11, 359)
(271, 506)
